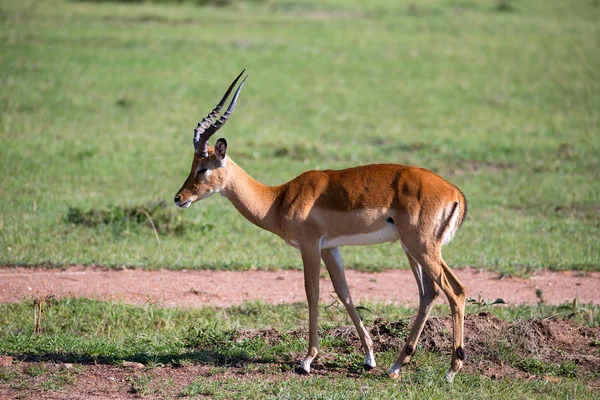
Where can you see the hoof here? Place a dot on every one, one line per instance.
(302, 371)
(305, 367)
(450, 376)
(394, 371)
(394, 376)
(370, 362)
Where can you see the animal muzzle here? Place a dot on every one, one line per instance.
(180, 201)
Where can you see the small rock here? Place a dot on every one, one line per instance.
(112, 379)
(67, 366)
(134, 365)
(6, 361)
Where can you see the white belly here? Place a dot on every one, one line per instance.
(387, 234)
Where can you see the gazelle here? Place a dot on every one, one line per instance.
(319, 211)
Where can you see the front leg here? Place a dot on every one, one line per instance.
(312, 265)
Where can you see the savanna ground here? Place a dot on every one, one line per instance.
(98, 103)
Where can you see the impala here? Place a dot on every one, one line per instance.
(319, 211)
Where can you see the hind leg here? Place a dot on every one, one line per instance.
(437, 270)
(333, 261)
(428, 292)
(457, 305)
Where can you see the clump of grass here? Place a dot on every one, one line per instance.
(35, 370)
(58, 380)
(200, 387)
(481, 303)
(165, 219)
(539, 367)
(297, 151)
(140, 385)
(39, 305)
(504, 5)
(209, 335)
(8, 375)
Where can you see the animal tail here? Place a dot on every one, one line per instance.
(454, 219)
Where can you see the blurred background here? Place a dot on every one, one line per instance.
(98, 102)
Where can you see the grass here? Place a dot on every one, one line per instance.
(251, 351)
(322, 388)
(99, 101)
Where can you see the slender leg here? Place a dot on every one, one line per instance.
(456, 293)
(333, 261)
(312, 264)
(454, 286)
(428, 292)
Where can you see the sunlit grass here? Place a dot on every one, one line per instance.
(99, 101)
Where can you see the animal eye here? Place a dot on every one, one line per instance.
(201, 171)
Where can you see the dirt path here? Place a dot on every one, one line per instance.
(224, 288)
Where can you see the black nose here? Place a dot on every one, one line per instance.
(177, 198)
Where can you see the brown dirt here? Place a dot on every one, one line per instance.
(225, 288)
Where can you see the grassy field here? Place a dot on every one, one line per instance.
(251, 351)
(99, 100)
(97, 107)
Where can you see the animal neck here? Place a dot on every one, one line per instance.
(255, 201)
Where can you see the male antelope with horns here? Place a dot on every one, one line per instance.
(319, 211)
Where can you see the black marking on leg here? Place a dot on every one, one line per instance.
(409, 350)
(389, 220)
(460, 354)
(301, 371)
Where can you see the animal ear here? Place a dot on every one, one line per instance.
(220, 149)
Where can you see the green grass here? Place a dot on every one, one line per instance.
(413, 388)
(251, 351)
(82, 330)
(99, 100)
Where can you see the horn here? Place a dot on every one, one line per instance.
(206, 128)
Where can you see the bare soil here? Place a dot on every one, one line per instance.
(189, 288)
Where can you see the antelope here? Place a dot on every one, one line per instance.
(319, 211)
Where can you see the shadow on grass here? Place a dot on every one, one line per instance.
(235, 349)
(207, 357)
(197, 356)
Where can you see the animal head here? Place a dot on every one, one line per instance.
(209, 173)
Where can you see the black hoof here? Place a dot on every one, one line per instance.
(301, 371)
